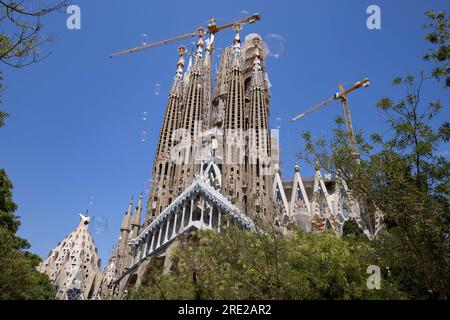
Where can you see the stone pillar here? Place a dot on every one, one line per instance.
(183, 217)
(192, 209)
(167, 229)
(174, 231)
(210, 217)
(202, 201)
(159, 238)
(219, 213)
(153, 241)
(147, 240)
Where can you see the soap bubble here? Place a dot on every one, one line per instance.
(99, 224)
(92, 200)
(157, 89)
(143, 136)
(145, 115)
(277, 45)
(144, 39)
(278, 123)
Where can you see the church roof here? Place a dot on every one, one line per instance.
(198, 185)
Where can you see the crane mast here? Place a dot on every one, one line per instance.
(341, 95)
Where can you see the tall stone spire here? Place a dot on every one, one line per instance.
(164, 166)
(126, 221)
(73, 266)
(207, 65)
(236, 62)
(234, 129)
(123, 252)
(193, 117)
(259, 173)
(136, 224)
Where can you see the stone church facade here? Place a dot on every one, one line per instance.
(217, 163)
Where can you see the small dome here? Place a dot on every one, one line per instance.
(250, 37)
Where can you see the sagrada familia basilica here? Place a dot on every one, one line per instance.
(216, 164)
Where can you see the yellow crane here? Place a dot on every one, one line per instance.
(212, 29)
(341, 95)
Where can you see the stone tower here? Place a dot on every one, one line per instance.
(73, 265)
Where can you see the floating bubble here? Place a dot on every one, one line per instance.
(157, 89)
(199, 85)
(145, 115)
(278, 123)
(92, 200)
(144, 39)
(276, 45)
(244, 12)
(143, 136)
(218, 52)
(99, 224)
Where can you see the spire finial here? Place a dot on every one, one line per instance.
(317, 165)
(237, 40)
(297, 167)
(181, 50)
(201, 33)
(258, 80)
(256, 42)
(257, 54)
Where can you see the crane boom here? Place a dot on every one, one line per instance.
(212, 29)
(153, 44)
(317, 106)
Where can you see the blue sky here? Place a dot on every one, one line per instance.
(76, 118)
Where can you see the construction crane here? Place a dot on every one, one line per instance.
(212, 29)
(341, 95)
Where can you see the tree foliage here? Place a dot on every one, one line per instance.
(237, 264)
(439, 33)
(19, 278)
(403, 174)
(21, 36)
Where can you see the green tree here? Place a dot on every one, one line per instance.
(19, 278)
(403, 175)
(21, 40)
(236, 264)
(21, 37)
(439, 33)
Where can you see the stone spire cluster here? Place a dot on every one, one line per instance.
(215, 163)
(235, 113)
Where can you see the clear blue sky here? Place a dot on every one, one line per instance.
(75, 124)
